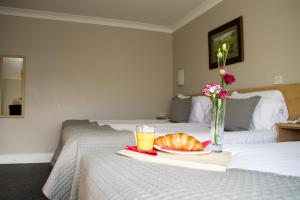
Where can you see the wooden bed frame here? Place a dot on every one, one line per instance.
(291, 93)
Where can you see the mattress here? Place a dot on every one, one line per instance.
(198, 130)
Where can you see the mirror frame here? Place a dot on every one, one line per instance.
(23, 84)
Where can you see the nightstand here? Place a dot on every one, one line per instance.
(288, 132)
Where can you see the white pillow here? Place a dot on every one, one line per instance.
(270, 110)
(271, 94)
(181, 96)
(200, 110)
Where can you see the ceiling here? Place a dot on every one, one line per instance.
(165, 13)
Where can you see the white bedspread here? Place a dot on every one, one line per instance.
(108, 176)
(279, 158)
(200, 131)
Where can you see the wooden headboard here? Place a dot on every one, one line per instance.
(291, 93)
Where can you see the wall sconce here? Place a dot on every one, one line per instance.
(180, 77)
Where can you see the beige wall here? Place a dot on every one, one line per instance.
(82, 71)
(271, 44)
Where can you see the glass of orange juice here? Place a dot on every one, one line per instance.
(145, 136)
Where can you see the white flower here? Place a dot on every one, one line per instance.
(219, 55)
(224, 47)
(212, 89)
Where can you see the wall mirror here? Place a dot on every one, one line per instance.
(12, 86)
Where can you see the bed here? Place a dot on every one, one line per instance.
(86, 146)
(88, 168)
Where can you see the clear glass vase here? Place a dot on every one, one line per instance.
(217, 124)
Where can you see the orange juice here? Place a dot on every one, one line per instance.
(145, 141)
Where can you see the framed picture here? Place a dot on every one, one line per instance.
(230, 33)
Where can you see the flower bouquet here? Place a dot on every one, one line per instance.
(218, 94)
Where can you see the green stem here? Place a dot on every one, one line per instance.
(216, 127)
(218, 111)
(222, 82)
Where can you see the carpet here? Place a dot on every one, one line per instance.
(23, 181)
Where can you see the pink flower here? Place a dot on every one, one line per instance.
(206, 90)
(228, 79)
(222, 71)
(223, 94)
(211, 89)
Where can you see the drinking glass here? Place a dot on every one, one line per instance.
(145, 136)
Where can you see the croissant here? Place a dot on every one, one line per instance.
(179, 141)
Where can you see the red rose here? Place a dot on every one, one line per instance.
(228, 79)
(223, 94)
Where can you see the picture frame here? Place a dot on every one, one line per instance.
(230, 33)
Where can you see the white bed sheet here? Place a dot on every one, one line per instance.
(279, 158)
(200, 131)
